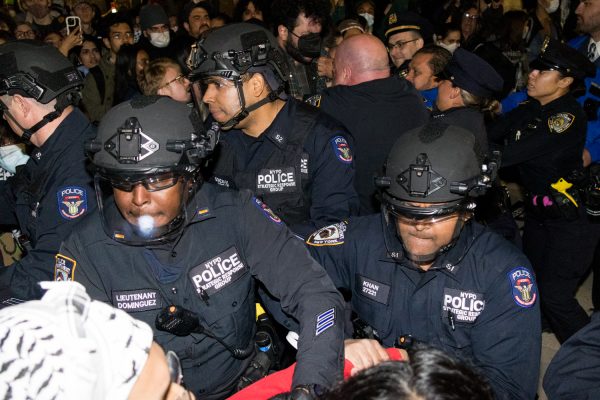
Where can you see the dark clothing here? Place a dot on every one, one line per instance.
(468, 118)
(375, 113)
(574, 370)
(546, 144)
(301, 166)
(46, 199)
(231, 241)
(478, 301)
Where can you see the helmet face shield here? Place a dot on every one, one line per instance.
(125, 220)
(410, 213)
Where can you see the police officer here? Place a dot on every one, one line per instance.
(405, 33)
(544, 138)
(38, 90)
(424, 271)
(293, 157)
(185, 259)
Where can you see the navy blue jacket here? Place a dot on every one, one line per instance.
(478, 301)
(323, 169)
(46, 199)
(230, 241)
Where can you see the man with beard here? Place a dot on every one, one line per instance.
(300, 26)
(42, 19)
(195, 18)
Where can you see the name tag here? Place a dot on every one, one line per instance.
(137, 300)
(372, 289)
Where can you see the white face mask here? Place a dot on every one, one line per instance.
(450, 47)
(369, 17)
(12, 156)
(160, 39)
(553, 6)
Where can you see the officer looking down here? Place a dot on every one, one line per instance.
(293, 157)
(424, 271)
(184, 257)
(53, 191)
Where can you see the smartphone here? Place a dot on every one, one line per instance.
(72, 23)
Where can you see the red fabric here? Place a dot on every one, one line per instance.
(281, 381)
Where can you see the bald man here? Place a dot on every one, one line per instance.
(372, 104)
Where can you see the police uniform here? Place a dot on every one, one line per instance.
(371, 111)
(545, 143)
(210, 270)
(478, 300)
(46, 199)
(301, 166)
(465, 117)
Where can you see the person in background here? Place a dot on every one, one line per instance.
(449, 37)
(163, 77)
(129, 70)
(86, 56)
(87, 13)
(405, 33)
(78, 348)
(157, 38)
(424, 70)
(23, 30)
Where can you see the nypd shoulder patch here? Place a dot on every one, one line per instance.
(341, 149)
(331, 235)
(560, 122)
(325, 320)
(72, 202)
(522, 283)
(64, 268)
(266, 210)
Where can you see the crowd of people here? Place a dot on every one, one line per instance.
(298, 199)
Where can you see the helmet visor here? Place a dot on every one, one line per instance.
(413, 214)
(127, 221)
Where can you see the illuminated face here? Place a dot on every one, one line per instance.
(198, 22)
(402, 46)
(89, 54)
(420, 73)
(222, 99)
(469, 21)
(588, 17)
(545, 86)
(175, 85)
(118, 35)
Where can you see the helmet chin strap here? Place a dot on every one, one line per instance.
(245, 111)
(429, 258)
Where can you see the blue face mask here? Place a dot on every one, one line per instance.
(12, 156)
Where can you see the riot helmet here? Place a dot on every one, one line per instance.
(432, 173)
(154, 142)
(232, 51)
(39, 71)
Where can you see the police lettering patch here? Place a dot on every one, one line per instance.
(462, 306)
(137, 300)
(280, 180)
(325, 321)
(72, 202)
(372, 289)
(267, 211)
(217, 273)
(560, 122)
(331, 235)
(522, 284)
(341, 149)
(64, 268)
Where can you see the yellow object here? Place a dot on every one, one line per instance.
(259, 310)
(561, 186)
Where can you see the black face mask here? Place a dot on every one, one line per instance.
(309, 46)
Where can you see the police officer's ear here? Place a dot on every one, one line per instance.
(565, 82)
(258, 85)
(20, 106)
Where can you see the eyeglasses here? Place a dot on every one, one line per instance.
(399, 45)
(121, 35)
(151, 184)
(179, 79)
(471, 16)
(25, 34)
(411, 215)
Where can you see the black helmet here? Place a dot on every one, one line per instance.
(436, 163)
(236, 49)
(154, 141)
(38, 70)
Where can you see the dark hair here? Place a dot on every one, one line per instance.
(285, 12)
(125, 72)
(261, 5)
(75, 52)
(439, 57)
(8, 20)
(187, 9)
(110, 20)
(429, 374)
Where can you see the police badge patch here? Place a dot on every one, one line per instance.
(523, 287)
(341, 149)
(560, 122)
(331, 235)
(64, 268)
(72, 202)
(267, 211)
